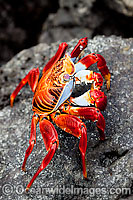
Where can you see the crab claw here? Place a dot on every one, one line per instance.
(101, 64)
(98, 80)
(93, 97)
(99, 98)
(89, 60)
(86, 62)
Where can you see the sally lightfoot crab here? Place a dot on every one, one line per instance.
(53, 101)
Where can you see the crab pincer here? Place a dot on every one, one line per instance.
(91, 59)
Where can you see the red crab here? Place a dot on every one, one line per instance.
(52, 100)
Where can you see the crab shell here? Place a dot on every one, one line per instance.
(54, 87)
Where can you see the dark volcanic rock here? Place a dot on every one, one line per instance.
(20, 24)
(109, 163)
(25, 23)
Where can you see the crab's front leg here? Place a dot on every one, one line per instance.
(94, 96)
(92, 58)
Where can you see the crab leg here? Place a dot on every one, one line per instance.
(50, 138)
(94, 97)
(90, 113)
(32, 78)
(32, 140)
(73, 125)
(59, 54)
(92, 58)
(61, 51)
(101, 64)
(82, 43)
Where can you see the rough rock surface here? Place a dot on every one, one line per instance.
(123, 6)
(25, 23)
(71, 19)
(87, 17)
(109, 163)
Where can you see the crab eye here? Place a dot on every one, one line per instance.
(66, 77)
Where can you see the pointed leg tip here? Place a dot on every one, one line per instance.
(27, 189)
(107, 78)
(102, 138)
(11, 103)
(11, 100)
(108, 85)
(24, 169)
(85, 175)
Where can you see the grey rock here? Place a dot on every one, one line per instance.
(76, 3)
(123, 6)
(71, 20)
(75, 18)
(64, 34)
(109, 163)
